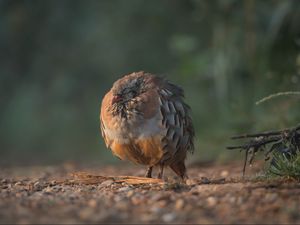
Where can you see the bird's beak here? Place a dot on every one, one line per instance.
(116, 98)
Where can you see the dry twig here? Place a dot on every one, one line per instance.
(281, 140)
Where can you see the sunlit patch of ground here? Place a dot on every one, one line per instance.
(118, 194)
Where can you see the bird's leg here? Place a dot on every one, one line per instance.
(161, 171)
(149, 172)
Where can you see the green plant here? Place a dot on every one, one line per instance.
(285, 165)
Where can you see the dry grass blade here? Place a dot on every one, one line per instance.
(87, 178)
(138, 180)
(276, 95)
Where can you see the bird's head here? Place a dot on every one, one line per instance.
(126, 89)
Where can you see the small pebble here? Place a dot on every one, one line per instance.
(4, 181)
(106, 183)
(18, 183)
(232, 200)
(92, 203)
(48, 190)
(170, 217)
(130, 193)
(205, 180)
(211, 201)
(156, 209)
(86, 213)
(162, 203)
(224, 173)
(36, 184)
(124, 189)
(137, 199)
(53, 183)
(191, 181)
(240, 200)
(179, 204)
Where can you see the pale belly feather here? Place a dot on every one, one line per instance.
(139, 142)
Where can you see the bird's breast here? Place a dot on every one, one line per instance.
(137, 139)
(138, 135)
(147, 151)
(134, 127)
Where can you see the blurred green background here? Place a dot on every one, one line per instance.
(58, 58)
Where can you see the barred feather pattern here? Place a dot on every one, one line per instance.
(177, 122)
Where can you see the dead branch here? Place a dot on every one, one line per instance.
(280, 140)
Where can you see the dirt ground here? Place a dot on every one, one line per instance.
(213, 194)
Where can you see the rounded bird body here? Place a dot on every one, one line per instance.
(144, 120)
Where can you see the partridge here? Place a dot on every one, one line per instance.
(143, 119)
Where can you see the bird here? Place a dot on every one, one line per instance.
(144, 119)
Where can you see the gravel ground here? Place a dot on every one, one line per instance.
(213, 194)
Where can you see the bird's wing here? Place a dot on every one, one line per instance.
(176, 120)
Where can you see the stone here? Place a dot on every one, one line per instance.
(211, 201)
(169, 217)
